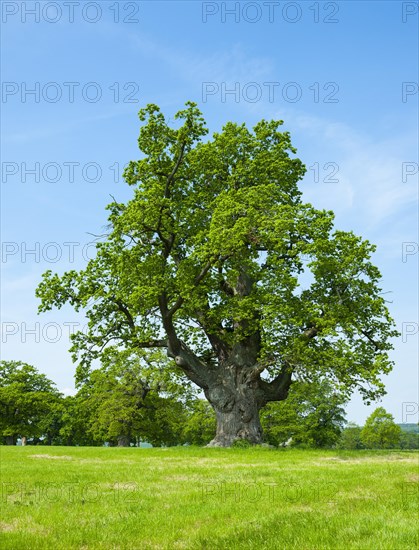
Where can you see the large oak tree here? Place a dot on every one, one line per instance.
(217, 260)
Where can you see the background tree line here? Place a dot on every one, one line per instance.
(127, 401)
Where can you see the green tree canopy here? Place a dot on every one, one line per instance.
(409, 440)
(200, 423)
(218, 261)
(351, 437)
(380, 431)
(27, 398)
(134, 395)
(312, 415)
(75, 423)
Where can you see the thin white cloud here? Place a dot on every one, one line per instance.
(63, 128)
(220, 66)
(370, 176)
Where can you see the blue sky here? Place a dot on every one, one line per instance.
(342, 75)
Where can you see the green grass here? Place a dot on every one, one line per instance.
(66, 497)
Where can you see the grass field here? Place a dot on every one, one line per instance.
(66, 497)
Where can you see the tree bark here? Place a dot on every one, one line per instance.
(237, 396)
(123, 441)
(237, 416)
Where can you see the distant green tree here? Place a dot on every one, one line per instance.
(350, 437)
(200, 425)
(163, 421)
(51, 422)
(27, 398)
(74, 423)
(380, 431)
(313, 416)
(133, 396)
(409, 427)
(409, 440)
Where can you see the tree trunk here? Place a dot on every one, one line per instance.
(123, 441)
(237, 393)
(241, 422)
(236, 402)
(24, 440)
(10, 440)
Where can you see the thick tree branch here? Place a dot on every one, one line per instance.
(310, 332)
(278, 388)
(175, 169)
(220, 347)
(190, 363)
(174, 342)
(260, 367)
(224, 285)
(152, 344)
(123, 308)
